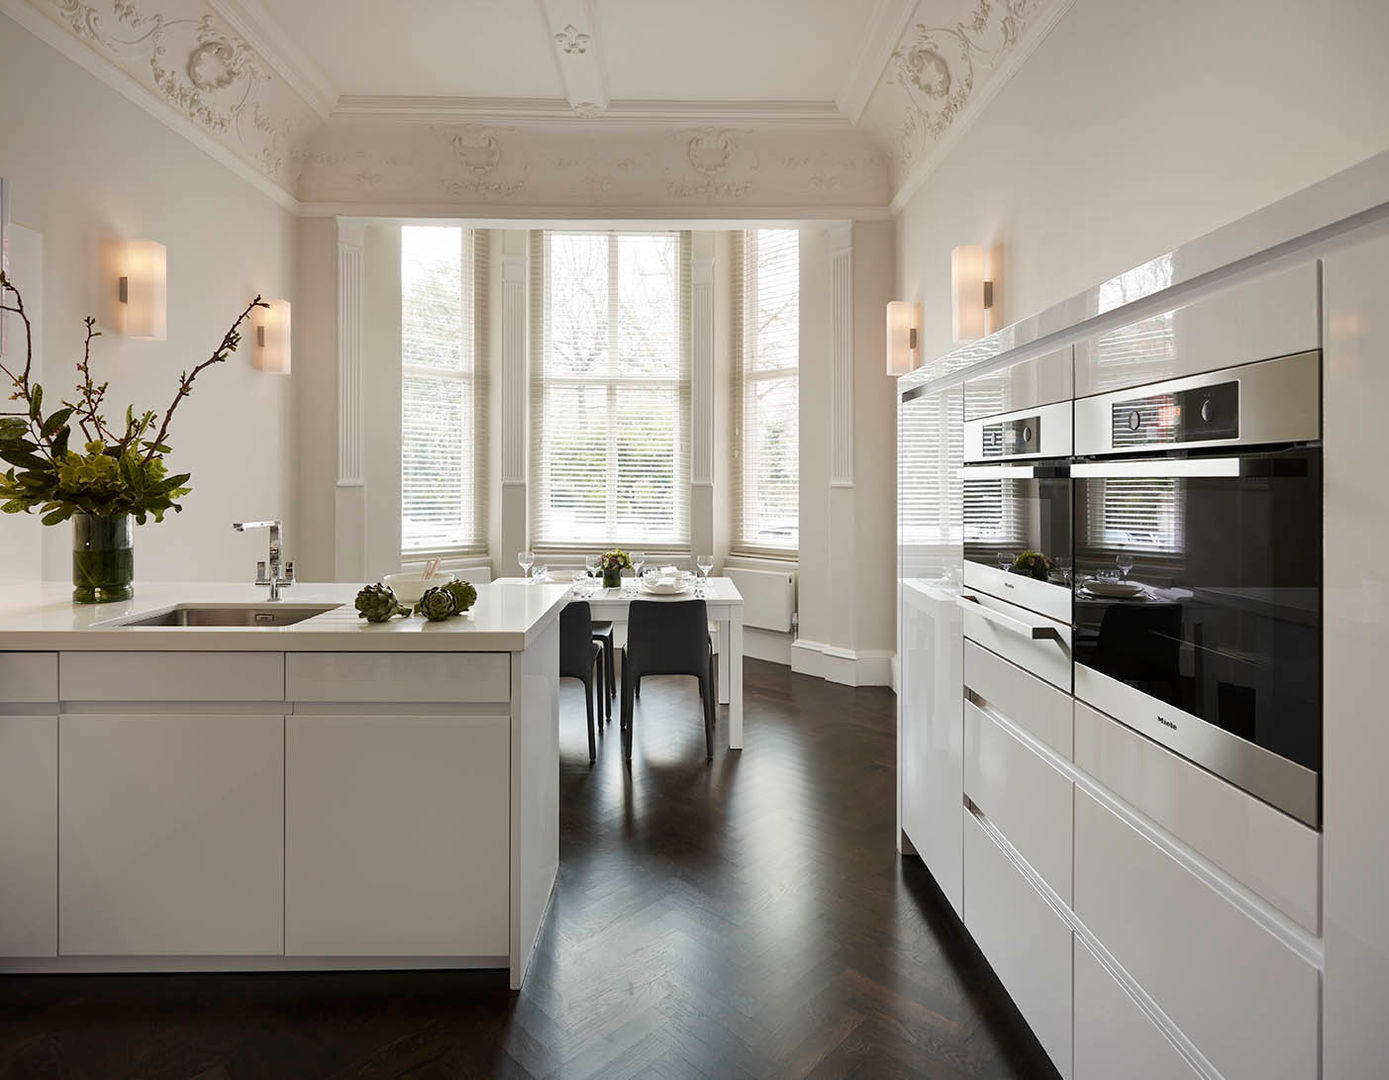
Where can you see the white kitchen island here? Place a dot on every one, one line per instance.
(317, 796)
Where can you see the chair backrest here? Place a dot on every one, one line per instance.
(576, 640)
(668, 637)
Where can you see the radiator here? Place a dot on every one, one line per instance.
(769, 596)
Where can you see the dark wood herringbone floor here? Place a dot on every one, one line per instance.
(745, 918)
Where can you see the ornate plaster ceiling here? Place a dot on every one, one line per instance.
(637, 104)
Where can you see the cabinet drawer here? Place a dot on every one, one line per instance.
(1041, 381)
(1276, 315)
(1266, 850)
(404, 677)
(1048, 658)
(1026, 798)
(1113, 1036)
(172, 676)
(1025, 940)
(1037, 707)
(27, 677)
(1247, 1001)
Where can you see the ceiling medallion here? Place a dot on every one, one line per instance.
(212, 66)
(572, 41)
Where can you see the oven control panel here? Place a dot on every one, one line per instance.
(1013, 438)
(1179, 416)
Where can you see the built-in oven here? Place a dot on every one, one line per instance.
(1017, 508)
(1198, 567)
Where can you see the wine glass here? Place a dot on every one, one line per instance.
(638, 561)
(527, 560)
(540, 573)
(705, 563)
(1124, 561)
(590, 564)
(1005, 560)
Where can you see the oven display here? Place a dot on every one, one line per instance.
(1013, 438)
(1199, 415)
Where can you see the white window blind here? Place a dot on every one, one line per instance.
(443, 438)
(930, 452)
(766, 391)
(1137, 514)
(610, 389)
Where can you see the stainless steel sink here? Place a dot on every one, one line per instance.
(229, 615)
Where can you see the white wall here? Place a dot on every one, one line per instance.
(1137, 126)
(88, 167)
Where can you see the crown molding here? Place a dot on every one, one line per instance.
(655, 214)
(96, 65)
(253, 21)
(880, 37)
(555, 111)
(1035, 34)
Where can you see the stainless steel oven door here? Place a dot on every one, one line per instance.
(1017, 531)
(1198, 611)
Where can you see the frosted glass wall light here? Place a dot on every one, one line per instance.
(903, 323)
(273, 337)
(144, 290)
(974, 310)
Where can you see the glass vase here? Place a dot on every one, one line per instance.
(612, 579)
(103, 558)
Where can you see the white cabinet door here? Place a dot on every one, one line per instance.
(932, 731)
(397, 835)
(28, 836)
(171, 835)
(1113, 1036)
(1025, 939)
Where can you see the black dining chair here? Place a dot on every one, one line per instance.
(579, 657)
(603, 635)
(668, 638)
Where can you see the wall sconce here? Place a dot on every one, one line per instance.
(974, 307)
(144, 290)
(273, 337)
(903, 321)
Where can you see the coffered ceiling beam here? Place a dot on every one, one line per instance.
(253, 21)
(573, 28)
(881, 34)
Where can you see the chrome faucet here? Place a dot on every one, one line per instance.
(275, 579)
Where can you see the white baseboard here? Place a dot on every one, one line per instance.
(848, 667)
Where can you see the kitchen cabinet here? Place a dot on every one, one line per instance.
(397, 839)
(1041, 381)
(171, 834)
(29, 835)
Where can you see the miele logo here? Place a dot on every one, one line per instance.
(1009, 585)
(1166, 723)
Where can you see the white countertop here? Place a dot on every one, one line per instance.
(41, 616)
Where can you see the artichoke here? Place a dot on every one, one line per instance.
(378, 604)
(437, 604)
(464, 595)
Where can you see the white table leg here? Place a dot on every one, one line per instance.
(735, 681)
(723, 652)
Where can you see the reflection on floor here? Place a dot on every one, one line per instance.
(745, 918)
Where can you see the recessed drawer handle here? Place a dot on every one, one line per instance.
(1034, 631)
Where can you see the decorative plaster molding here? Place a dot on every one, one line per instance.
(514, 369)
(193, 61)
(251, 20)
(841, 354)
(351, 235)
(702, 369)
(578, 55)
(547, 112)
(882, 32)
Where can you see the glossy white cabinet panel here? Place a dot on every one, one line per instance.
(1026, 797)
(1274, 315)
(182, 677)
(932, 731)
(1247, 1001)
(1026, 942)
(397, 835)
(1033, 382)
(28, 677)
(405, 677)
(171, 835)
(1007, 636)
(1269, 852)
(1356, 668)
(28, 836)
(1114, 1037)
(1037, 707)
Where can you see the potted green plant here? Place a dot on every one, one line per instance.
(612, 563)
(113, 474)
(1032, 564)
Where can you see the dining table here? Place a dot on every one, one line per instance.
(725, 605)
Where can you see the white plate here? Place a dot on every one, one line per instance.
(665, 588)
(1119, 590)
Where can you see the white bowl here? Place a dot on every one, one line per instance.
(410, 586)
